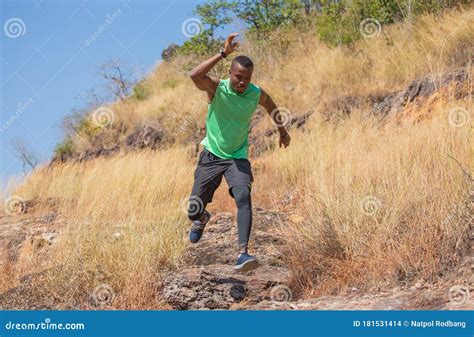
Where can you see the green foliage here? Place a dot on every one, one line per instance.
(265, 16)
(64, 149)
(335, 25)
(141, 91)
(200, 44)
(261, 17)
(384, 11)
(213, 15)
(172, 83)
(338, 22)
(88, 128)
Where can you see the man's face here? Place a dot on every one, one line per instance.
(240, 77)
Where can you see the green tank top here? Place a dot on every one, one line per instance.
(228, 120)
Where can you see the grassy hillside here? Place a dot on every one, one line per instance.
(368, 203)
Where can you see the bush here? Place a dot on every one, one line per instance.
(335, 25)
(87, 128)
(141, 91)
(338, 23)
(64, 149)
(201, 44)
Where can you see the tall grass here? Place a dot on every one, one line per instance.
(376, 205)
(126, 220)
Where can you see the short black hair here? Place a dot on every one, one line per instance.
(244, 61)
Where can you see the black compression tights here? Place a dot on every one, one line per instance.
(244, 214)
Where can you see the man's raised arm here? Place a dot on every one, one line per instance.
(199, 74)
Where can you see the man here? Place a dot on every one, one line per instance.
(232, 103)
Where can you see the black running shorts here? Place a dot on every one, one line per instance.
(209, 172)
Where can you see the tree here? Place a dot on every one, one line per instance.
(120, 79)
(26, 155)
(264, 16)
(215, 14)
(212, 15)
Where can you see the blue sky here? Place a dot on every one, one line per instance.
(48, 59)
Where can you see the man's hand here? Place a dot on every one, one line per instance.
(230, 45)
(284, 139)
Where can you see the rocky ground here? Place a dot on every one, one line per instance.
(209, 281)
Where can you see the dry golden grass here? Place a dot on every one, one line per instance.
(127, 215)
(378, 204)
(127, 219)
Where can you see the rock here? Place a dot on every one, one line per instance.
(394, 102)
(98, 151)
(211, 283)
(260, 140)
(147, 135)
(218, 287)
(198, 289)
(417, 89)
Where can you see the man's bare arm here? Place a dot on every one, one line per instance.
(199, 74)
(200, 78)
(267, 102)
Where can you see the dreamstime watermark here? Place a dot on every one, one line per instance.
(191, 27)
(14, 205)
(192, 205)
(119, 232)
(370, 28)
(103, 295)
(280, 27)
(370, 205)
(458, 294)
(281, 294)
(14, 27)
(103, 117)
(109, 19)
(458, 117)
(46, 325)
(281, 116)
(21, 108)
(378, 109)
(460, 26)
(188, 122)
